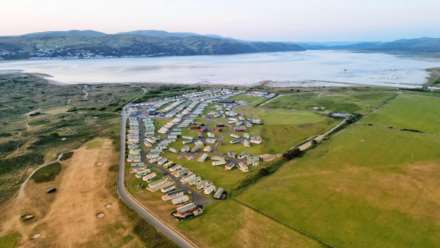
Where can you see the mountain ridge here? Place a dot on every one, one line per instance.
(149, 43)
(153, 43)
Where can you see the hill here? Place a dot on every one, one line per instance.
(417, 46)
(91, 44)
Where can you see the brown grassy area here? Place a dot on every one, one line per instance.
(69, 217)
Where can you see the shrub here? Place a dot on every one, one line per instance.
(10, 146)
(16, 163)
(66, 156)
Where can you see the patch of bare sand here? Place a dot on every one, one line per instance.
(72, 220)
(84, 212)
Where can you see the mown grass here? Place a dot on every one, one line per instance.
(250, 100)
(47, 173)
(369, 186)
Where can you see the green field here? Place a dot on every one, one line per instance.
(250, 100)
(230, 224)
(411, 111)
(345, 100)
(369, 186)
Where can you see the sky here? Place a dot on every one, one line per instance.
(274, 20)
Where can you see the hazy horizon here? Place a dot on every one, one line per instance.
(279, 20)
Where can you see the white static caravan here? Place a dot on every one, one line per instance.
(180, 200)
(148, 177)
(203, 157)
(172, 195)
(218, 162)
(156, 185)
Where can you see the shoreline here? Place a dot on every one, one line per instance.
(308, 84)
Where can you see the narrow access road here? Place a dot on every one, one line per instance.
(168, 231)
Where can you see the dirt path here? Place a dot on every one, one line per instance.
(21, 192)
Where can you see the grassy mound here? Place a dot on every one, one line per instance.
(47, 174)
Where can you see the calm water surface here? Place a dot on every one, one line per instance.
(303, 68)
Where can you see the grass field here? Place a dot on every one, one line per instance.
(250, 100)
(355, 100)
(230, 224)
(369, 186)
(411, 111)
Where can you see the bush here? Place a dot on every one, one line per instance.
(291, 154)
(66, 156)
(10, 146)
(48, 173)
(46, 139)
(2, 135)
(16, 163)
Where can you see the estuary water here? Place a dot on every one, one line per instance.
(308, 68)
